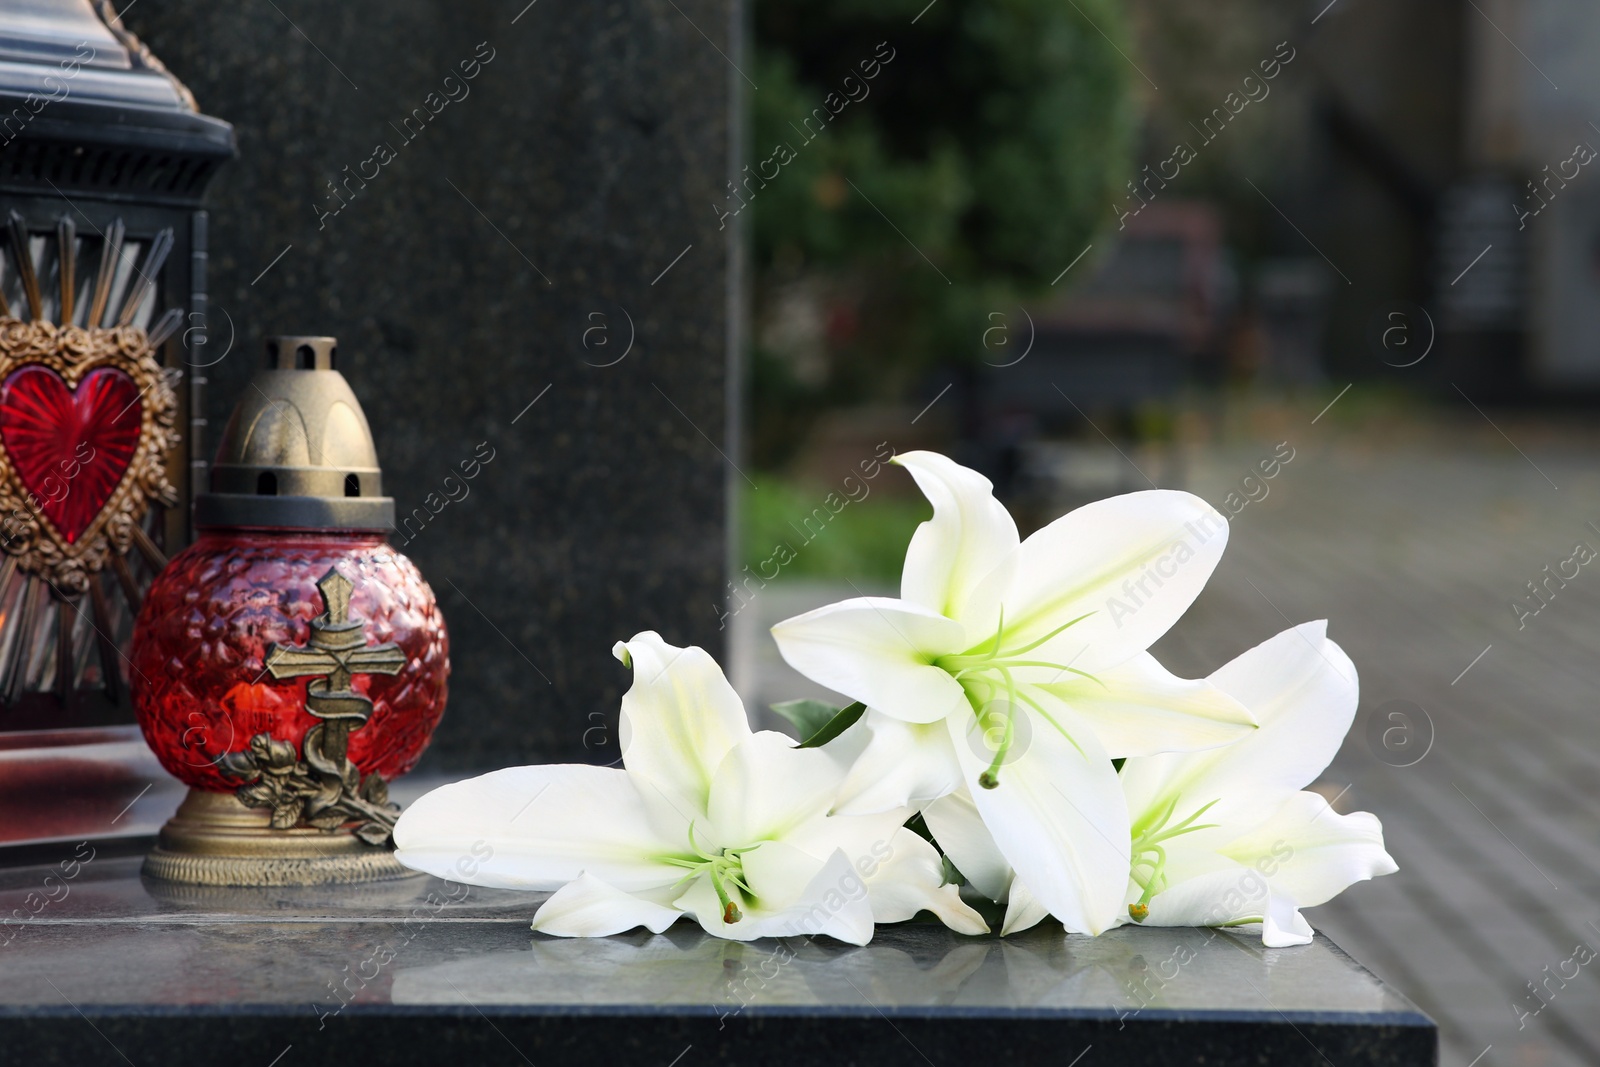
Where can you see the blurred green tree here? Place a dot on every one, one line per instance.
(910, 173)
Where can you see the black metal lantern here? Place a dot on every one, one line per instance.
(104, 158)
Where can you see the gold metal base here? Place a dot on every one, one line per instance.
(216, 840)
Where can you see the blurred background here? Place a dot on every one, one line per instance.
(1334, 267)
(1166, 213)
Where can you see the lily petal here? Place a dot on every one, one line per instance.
(1140, 708)
(1023, 910)
(878, 650)
(957, 826)
(1284, 926)
(911, 880)
(589, 907)
(1234, 896)
(766, 787)
(970, 535)
(1302, 689)
(1315, 853)
(536, 828)
(825, 905)
(1133, 564)
(865, 840)
(679, 719)
(778, 871)
(1059, 819)
(890, 763)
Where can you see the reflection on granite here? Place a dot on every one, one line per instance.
(129, 795)
(64, 785)
(917, 966)
(420, 964)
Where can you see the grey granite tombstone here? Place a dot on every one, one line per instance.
(502, 211)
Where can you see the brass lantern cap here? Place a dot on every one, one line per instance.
(297, 452)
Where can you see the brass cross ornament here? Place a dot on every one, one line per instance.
(336, 650)
(326, 790)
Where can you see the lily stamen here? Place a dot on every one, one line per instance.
(995, 652)
(724, 863)
(1148, 841)
(990, 778)
(1139, 911)
(730, 910)
(978, 666)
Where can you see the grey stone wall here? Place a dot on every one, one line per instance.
(479, 245)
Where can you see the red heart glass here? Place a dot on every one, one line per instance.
(70, 447)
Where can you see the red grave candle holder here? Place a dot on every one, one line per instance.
(289, 663)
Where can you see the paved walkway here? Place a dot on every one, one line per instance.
(1415, 548)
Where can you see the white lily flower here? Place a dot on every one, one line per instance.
(1018, 670)
(1228, 836)
(704, 819)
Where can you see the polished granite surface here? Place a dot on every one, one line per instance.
(422, 964)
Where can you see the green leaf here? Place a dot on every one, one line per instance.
(837, 725)
(808, 716)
